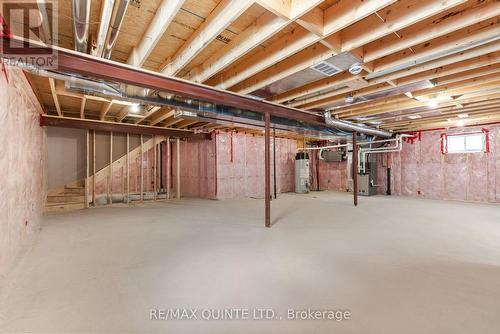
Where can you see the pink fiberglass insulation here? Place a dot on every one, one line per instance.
(240, 165)
(23, 163)
(333, 175)
(119, 180)
(197, 163)
(421, 170)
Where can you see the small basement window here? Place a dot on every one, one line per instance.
(465, 143)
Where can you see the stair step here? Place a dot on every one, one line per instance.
(74, 190)
(65, 198)
(58, 207)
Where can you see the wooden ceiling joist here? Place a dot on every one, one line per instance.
(400, 15)
(163, 18)
(224, 14)
(434, 29)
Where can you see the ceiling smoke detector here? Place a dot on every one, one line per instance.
(355, 68)
(349, 99)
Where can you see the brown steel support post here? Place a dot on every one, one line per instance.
(142, 168)
(178, 169)
(168, 168)
(128, 167)
(355, 167)
(267, 160)
(93, 168)
(110, 184)
(87, 177)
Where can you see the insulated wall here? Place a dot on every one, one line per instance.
(240, 165)
(23, 162)
(421, 170)
(197, 161)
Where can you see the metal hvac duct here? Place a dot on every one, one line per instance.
(351, 127)
(117, 16)
(208, 111)
(81, 24)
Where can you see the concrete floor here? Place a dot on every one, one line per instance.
(399, 265)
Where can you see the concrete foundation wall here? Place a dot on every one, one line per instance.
(23, 162)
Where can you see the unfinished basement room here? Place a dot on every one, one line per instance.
(250, 166)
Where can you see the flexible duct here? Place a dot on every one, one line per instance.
(81, 24)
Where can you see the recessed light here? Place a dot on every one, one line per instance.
(414, 116)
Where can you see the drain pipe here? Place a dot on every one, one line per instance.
(364, 152)
(117, 16)
(81, 24)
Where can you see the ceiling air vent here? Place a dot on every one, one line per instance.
(325, 68)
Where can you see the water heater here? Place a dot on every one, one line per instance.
(302, 183)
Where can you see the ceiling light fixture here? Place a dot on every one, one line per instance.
(433, 103)
(134, 108)
(464, 115)
(355, 68)
(349, 99)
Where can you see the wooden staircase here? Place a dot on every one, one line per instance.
(70, 197)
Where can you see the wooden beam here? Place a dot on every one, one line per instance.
(347, 12)
(148, 114)
(476, 35)
(313, 21)
(164, 16)
(76, 123)
(225, 13)
(281, 8)
(261, 30)
(297, 41)
(54, 96)
(104, 110)
(469, 54)
(289, 66)
(316, 86)
(287, 45)
(82, 107)
(436, 28)
(398, 16)
(162, 115)
(455, 68)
